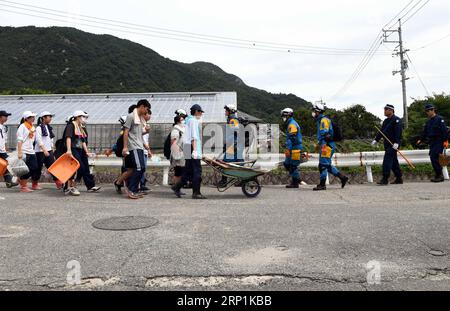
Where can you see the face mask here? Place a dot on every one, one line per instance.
(314, 115)
(285, 119)
(183, 122)
(199, 118)
(83, 120)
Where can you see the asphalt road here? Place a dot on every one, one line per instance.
(283, 240)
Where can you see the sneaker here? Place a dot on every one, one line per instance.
(72, 191)
(118, 187)
(35, 187)
(59, 185)
(10, 185)
(320, 188)
(144, 192)
(133, 196)
(94, 189)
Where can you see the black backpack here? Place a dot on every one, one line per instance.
(338, 136)
(118, 147)
(167, 144)
(60, 147)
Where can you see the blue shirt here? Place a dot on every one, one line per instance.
(435, 130)
(324, 129)
(294, 139)
(193, 132)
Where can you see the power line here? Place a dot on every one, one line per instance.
(176, 33)
(230, 45)
(420, 8)
(432, 43)
(418, 75)
(395, 18)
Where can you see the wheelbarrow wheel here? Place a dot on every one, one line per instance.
(251, 188)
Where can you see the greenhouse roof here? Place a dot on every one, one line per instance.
(107, 108)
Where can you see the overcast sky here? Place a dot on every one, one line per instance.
(344, 24)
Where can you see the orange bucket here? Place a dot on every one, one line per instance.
(64, 168)
(3, 166)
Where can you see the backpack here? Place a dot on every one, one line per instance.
(168, 145)
(337, 131)
(118, 147)
(60, 147)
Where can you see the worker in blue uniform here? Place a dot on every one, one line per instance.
(392, 128)
(234, 139)
(293, 147)
(436, 133)
(327, 148)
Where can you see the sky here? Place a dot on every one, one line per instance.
(342, 24)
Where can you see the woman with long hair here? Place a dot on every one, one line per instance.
(44, 147)
(76, 138)
(26, 138)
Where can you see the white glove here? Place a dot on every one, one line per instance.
(374, 143)
(395, 146)
(194, 155)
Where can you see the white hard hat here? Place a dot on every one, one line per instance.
(231, 107)
(319, 106)
(80, 113)
(287, 112)
(46, 113)
(28, 114)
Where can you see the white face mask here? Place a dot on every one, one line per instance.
(285, 119)
(199, 118)
(314, 115)
(83, 120)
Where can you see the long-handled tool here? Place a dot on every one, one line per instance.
(399, 152)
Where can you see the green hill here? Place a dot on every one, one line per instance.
(67, 60)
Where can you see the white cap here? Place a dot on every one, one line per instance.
(46, 113)
(80, 113)
(28, 114)
(181, 112)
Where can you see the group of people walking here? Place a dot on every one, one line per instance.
(36, 146)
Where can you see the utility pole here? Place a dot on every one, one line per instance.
(403, 66)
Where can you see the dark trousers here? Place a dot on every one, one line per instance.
(390, 163)
(193, 171)
(138, 164)
(7, 177)
(435, 151)
(83, 172)
(43, 160)
(31, 162)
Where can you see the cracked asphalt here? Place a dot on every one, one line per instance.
(282, 240)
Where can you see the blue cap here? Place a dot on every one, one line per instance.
(429, 107)
(196, 108)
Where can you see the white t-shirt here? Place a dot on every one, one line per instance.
(28, 143)
(45, 140)
(3, 138)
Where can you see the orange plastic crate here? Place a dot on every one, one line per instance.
(64, 168)
(3, 166)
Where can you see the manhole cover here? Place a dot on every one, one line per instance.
(437, 253)
(125, 223)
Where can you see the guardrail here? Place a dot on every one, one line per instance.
(271, 161)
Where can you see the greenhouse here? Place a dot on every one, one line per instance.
(105, 110)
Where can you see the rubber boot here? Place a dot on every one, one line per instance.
(294, 185)
(35, 186)
(322, 186)
(177, 189)
(24, 187)
(344, 180)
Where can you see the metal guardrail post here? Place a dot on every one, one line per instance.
(166, 175)
(445, 172)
